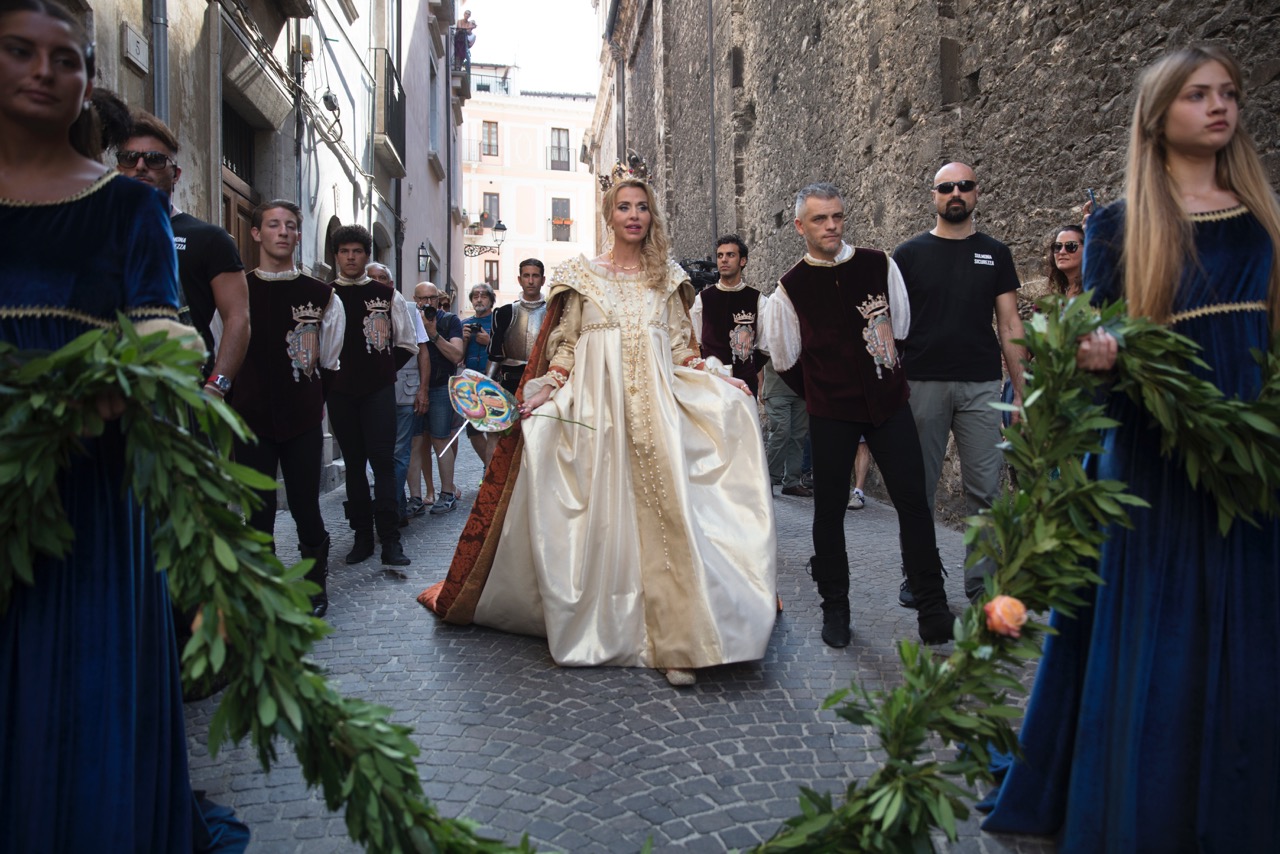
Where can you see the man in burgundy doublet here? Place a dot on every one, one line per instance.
(830, 329)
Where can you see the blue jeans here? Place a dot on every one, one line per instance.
(408, 425)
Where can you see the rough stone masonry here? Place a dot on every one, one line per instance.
(1037, 95)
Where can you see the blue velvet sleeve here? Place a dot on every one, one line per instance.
(151, 263)
(1103, 244)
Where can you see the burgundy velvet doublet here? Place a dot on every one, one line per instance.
(278, 390)
(843, 312)
(368, 352)
(730, 331)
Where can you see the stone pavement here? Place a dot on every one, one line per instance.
(592, 759)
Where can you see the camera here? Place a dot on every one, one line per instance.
(429, 312)
(701, 272)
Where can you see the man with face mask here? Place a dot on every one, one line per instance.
(955, 277)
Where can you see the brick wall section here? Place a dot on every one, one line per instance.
(1037, 95)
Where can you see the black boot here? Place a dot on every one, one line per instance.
(832, 577)
(360, 516)
(318, 574)
(924, 573)
(387, 518)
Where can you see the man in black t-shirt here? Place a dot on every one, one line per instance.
(955, 278)
(215, 292)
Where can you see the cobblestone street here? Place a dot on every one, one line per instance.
(597, 759)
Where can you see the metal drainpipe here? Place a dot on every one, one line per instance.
(711, 87)
(160, 58)
(448, 169)
(404, 104)
(298, 127)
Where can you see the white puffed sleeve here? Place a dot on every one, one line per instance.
(333, 329)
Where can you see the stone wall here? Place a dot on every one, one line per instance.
(1037, 95)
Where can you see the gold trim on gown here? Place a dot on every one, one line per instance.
(649, 540)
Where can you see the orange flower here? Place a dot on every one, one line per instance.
(1005, 616)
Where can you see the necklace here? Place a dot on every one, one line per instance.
(618, 266)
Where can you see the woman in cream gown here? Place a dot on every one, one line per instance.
(642, 535)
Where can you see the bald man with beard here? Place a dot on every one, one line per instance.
(956, 277)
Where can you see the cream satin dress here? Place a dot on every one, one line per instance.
(649, 540)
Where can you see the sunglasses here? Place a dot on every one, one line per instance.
(947, 187)
(154, 160)
(1071, 246)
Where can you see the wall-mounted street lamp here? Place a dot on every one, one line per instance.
(474, 250)
(422, 257)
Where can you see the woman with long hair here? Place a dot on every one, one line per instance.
(1064, 261)
(1154, 724)
(93, 756)
(639, 531)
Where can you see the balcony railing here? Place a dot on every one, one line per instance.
(560, 158)
(490, 83)
(389, 124)
(562, 230)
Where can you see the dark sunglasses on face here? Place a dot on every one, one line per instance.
(154, 160)
(1071, 246)
(947, 187)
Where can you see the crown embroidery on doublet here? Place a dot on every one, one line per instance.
(377, 325)
(303, 341)
(878, 333)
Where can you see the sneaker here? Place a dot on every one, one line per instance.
(415, 507)
(905, 597)
(444, 503)
(806, 479)
(857, 500)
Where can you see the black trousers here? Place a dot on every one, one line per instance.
(299, 460)
(896, 448)
(365, 427)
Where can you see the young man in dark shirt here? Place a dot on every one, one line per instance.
(280, 390)
(380, 339)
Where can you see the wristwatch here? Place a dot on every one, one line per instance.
(221, 382)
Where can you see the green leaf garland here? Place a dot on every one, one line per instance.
(1044, 538)
(255, 620)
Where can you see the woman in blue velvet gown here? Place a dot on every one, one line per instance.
(93, 756)
(1154, 724)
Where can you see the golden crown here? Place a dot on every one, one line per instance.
(873, 305)
(634, 169)
(308, 313)
(376, 304)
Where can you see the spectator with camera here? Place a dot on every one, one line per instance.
(445, 349)
(476, 338)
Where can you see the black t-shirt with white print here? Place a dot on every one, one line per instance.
(952, 286)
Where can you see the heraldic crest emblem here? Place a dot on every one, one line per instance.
(879, 333)
(304, 341)
(742, 340)
(377, 325)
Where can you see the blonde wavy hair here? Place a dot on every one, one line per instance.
(1156, 221)
(656, 246)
